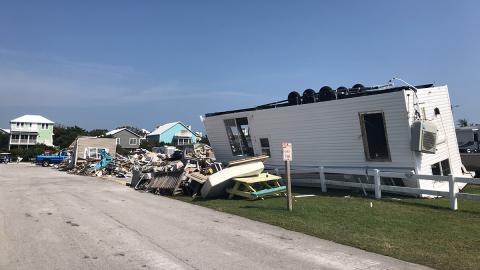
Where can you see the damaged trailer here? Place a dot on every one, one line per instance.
(403, 129)
(86, 147)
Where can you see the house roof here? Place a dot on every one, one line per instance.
(161, 129)
(145, 131)
(29, 118)
(6, 130)
(115, 131)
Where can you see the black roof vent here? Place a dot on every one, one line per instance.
(326, 93)
(294, 98)
(309, 96)
(342, 92)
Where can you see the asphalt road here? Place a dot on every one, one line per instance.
(52, 220)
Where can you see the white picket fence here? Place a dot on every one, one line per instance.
(452, 194)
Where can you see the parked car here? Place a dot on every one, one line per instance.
(46, 160)
(5, 158)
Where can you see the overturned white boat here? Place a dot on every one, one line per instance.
(219, 181)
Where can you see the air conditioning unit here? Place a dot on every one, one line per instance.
(424, 137)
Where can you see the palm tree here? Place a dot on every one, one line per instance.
(462, 122)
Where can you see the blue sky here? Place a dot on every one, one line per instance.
(101, 64)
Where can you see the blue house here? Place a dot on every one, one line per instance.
(175, 133)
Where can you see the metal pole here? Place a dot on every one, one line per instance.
(289, 186)
(452, 189)
(322, 179)
(378, 190)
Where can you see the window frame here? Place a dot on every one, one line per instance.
(441, 167)
(265, 148)
(118, 141)
(366, 149)
(97, 152)
(130, 141)
(243, 139)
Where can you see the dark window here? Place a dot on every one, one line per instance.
(265, 145)
(436, 170)
(441, 168)
(374, 136)
(233, 137)
(445, 167)
(238, 133)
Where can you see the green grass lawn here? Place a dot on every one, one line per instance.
(423, 231)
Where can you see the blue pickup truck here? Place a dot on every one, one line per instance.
(46, 160)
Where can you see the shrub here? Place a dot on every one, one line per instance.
(31, 151)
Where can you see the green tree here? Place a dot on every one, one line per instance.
(32, 151)
(131, 128)
(462, 122)
(97, 132)
(122, 151)
(4, 140)
(64, 136)
(145, 144)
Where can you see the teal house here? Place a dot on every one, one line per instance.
(175, 133)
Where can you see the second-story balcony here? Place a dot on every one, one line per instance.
(23, 138)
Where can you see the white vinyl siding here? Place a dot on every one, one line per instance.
(326, 133)
(447, 145)
(329, 133)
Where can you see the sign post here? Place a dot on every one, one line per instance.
(287, 157)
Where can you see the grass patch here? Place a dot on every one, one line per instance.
(423, 231)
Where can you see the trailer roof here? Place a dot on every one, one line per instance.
(284, 103)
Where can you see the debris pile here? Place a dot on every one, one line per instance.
(168, 171)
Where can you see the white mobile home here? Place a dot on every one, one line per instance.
(383, 129)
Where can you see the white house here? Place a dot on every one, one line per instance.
(29, 130)
(372, 129)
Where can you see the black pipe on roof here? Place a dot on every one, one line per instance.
(365, 91)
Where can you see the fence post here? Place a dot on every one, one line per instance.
(322, 179)
(376, 178)
(452, 190)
